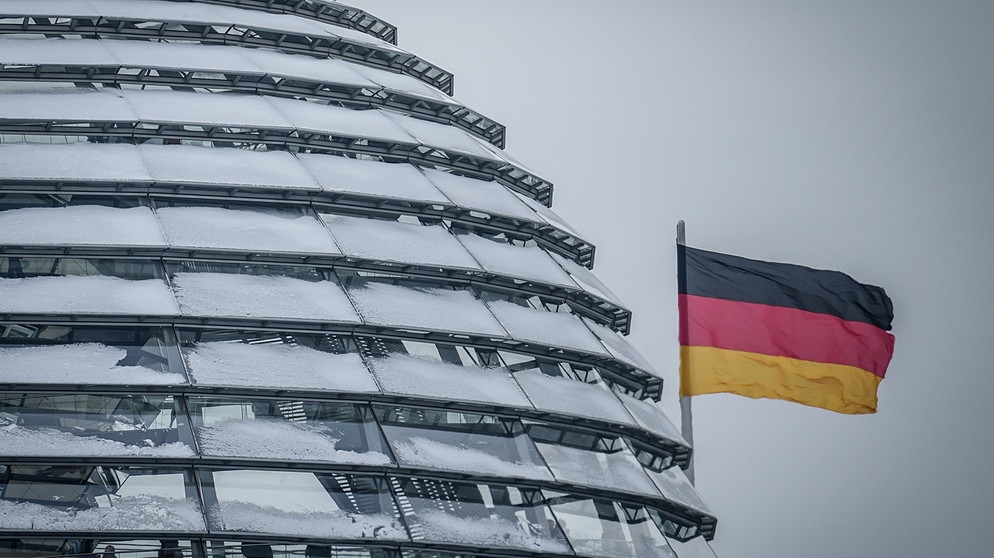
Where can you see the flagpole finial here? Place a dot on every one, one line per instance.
(681, 233)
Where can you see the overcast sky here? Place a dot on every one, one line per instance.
(847, 135)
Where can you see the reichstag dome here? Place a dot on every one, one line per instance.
(268, 290)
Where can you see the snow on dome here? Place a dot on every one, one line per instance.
(620, 348)
(81, 363)
(558, 329)
(484, 195)
(17, 440)
(392, 241)
(76, 162)
(675, 486)
(261, 296)
(424, 308)
(280, 439)
(588, 280)
(93, 294)
(486, 531)
(187, 164)
(141, 512)
(84, 225)
(419, 451)
(241, 364)
(417, 376)
(66, 105)
(523, 262)
(571, 397)
(232, 229)
(651, 417)
(618, 470)
(371, 178)
(442, 136)
(235, 515)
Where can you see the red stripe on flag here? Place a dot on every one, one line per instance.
(782, 331)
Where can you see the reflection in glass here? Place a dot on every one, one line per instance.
(57, 354)
(302, 503)
(480, 514)
(52, 498)
(92, 425)
(457, 441)
(591, 459)
(288, 430)
(694, 548)
(276, 549)
(608, 529)
(306, 361)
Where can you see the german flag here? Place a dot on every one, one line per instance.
(781, 331)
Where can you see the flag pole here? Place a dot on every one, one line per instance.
(686, 413)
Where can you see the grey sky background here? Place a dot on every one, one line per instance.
(847, 135)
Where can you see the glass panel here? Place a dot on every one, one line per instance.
(93, 425)
(237, 549)
(60, 267)
(288, 430)
(466, 442)
(420, 376)
(608, 529)
(571, 397)
(302, 503)
(56, 354)
(480, 514)
(305, 361)
(89, 498)
(261, 291)
(696, 547)
(92, 548)
(591, 458)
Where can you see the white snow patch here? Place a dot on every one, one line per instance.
(391, 241)
(676, 487)
(650, 417)
(524, 262)
(411, 375)
(80, 363)
(261, 296)
(214, 227)
(80, 225)
(424, 452)
(424, 308)
(277, 366)
(242, 516)
(89, 294)
(620, 348)
(143, 512)
(17, 440)
(371, 178)
(558, 329)
(572, 397)
(280, 439)
(619, 470)
(487, 531)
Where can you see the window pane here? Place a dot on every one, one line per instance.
(302, 503)
(93, 425)
(465, 442)
(288, 430)
(56, 354)
(608, 529)
(500, 516)
(88, 498)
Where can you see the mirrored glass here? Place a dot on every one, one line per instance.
(301, 503)
(98, 498)
(608, 529)
(93, 425)
(60, 354)
(480, 514)
(465, 442)
(288, 430)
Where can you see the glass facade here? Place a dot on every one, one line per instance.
(267, 290)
